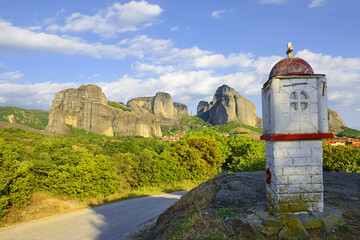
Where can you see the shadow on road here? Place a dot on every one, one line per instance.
(115, 220)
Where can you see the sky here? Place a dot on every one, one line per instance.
(187, 48)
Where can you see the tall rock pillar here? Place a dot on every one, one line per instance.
(295, 119)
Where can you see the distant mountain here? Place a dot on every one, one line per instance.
(37, 119)
(87, 108)
(336, 124)
(228, 105)
(165, 110)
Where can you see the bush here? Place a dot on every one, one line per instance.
(246, 155)
(15, 187)
(341, 158)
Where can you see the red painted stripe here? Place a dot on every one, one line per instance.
(302, 136)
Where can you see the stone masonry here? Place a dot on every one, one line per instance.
(296, 182)
(295, 119)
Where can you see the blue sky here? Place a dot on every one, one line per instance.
(183, 47)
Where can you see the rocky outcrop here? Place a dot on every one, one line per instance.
(87, 108)
(202, 107)
(228, 105)
(161, 105)
(232, 206)
(335, 122)
(181, 109)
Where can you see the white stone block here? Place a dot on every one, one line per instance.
(298, 170)
(313, 170)
(318, 179)
(288, 144)
(311, 144)
(280, 153)
(283, 162)
(299, 188)
(299, 179)
(298, 153)
(290, 198)
(306, 127)
(317, 152)
(314, 108)
(317, 207)
(279, 179)
(312, 197)
(300, 161)
(306, 161)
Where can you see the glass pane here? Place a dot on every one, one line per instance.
(293, 95)
(302, 96)
(303, 106)
(293, 106)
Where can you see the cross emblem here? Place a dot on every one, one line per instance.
(290, 48)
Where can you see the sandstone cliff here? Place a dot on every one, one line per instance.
(228, 105)
(335, 122)
(87, 108)
(161, 105)
(181, 109)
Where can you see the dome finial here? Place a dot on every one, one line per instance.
(290, 48)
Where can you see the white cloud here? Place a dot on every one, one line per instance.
(220, 61)
(10, 76)
(141, 46)
(317, 3)
(343, 75)
(21, 39)
(35, 28)
(94, 76)
(115, 19)
(216, 14)
(176, 28)
(156, 69)
(358, 109)
(273, 1)
(34, 96)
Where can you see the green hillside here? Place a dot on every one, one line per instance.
(37, 119)
(349, 132)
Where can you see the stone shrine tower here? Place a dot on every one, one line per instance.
(295, 120)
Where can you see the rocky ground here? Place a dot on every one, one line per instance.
(215, 208)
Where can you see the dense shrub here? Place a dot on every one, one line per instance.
(246, 155)
(341, 158)
(200, 156)
(15, 181)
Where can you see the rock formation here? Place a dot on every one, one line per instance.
(232, 206)
(202, 107)
(181, 109)
(335, 122)
(87, 108)
(161, 105)
(228, 105)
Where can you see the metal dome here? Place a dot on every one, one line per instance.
(291, 66)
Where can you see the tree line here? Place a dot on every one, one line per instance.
(87, 165)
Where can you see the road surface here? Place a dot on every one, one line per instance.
(106, 222)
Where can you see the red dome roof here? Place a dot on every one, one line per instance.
(291, 66)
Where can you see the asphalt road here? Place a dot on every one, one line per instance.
(106, 222)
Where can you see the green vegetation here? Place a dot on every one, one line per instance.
(341, 158)
(37, 119)
(223, 213)
(246, 155)
(349, 132)
(118, 105)
(233, 126)
(85, 165)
